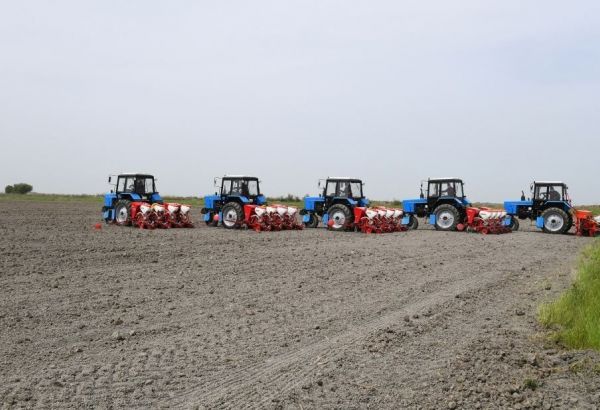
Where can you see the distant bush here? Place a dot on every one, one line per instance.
(21, 188)
(287, 198)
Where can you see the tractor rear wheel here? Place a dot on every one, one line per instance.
(313, 221)
(413, 222)
(555, 220)
(446, 217)
(123, 212)
(340, 217)
(514, 224)
(233, 214)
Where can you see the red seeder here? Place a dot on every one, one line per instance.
(585, 224)
(378, 220)
(484, 220)
(271, 218)
(168, 215)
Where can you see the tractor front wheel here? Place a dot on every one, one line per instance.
(446, 217)
(555, 220)
(340, 217)
(313, 221)
(233, 214)
(514, 224)
(413, 222)
(123, 212)
(211, 220)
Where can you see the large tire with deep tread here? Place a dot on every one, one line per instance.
(313, 221)
(413, 222)
(447, 217)
(514, 223)
(341, 216)
(123, 212)
(229, 210)
(556, 221)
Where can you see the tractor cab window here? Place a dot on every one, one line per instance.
(251, 188)
(330, 189)
(449, 188)
(121, 185)
(549, 192)
(149, 186)
(230, 187)
(356, 189)
(138, 185)
(343, 189)
(243, 187)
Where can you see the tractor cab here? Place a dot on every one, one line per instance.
(445, 189)
(343, 188)
(241, 186)
(139, 185)
(549, 206)
(543, 192)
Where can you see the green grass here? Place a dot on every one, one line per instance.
(35, 197)
(575, 316)
(594, 208)
(193, 201)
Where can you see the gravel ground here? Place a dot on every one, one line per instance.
(211, 318)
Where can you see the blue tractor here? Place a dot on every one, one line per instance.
(227, 205)
(129, 188)
(445, 205)
(335, 206)
(549, 206)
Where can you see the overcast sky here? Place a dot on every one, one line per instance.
(498, 93)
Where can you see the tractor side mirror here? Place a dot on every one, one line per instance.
(522, 195)
(109, 179)
(421, 195)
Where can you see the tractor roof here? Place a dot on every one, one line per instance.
(549, 183)
(135, 174)
(446, 179)
(238, 177)
(343, 179)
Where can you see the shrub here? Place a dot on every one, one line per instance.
(21, 188)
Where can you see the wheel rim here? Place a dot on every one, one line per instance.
(445, 219)
(230, 218)
(554, 222)
(339, 219)
(121, 216)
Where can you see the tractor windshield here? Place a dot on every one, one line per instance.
(344, 189)
(556, 192)
(140, 185)
(243, 187)
(446, 188)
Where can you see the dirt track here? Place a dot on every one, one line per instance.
(214, 318)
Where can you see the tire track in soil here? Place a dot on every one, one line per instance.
(288, 371)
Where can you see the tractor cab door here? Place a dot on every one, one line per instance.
(547, 193)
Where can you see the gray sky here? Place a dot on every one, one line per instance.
(293, 91)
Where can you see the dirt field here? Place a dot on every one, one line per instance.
(227, 319)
